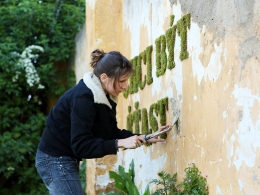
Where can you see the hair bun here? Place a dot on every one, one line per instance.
(96, 55)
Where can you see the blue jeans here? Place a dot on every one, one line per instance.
(59, 174)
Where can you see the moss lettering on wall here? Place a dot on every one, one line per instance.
(161, 56)
(145, 125)
(162, 107)
(171, 19)
(129, 120)
(136, 78)
(162, 44)
(170, 39)
(148, 62)
(152, 117)
(141, 84)
(182, 25)
(136, 118)
(156, 110)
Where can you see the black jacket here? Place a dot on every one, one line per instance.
(83, 123)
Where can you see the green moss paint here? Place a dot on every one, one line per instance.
(140, 83)
(145, 126)
(136, 105)
(156, 111)
(170, 39)
(162, 60)
(129, 120)
(182, 25)
(152, 119)
(148, 62)
(129, 109)
(136, 81)
(126, 93)
(171, 19)
(135, 75)
(162, 106)
(161, 56)
(137, 118)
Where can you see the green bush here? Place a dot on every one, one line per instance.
(34, 36)
(192, 184)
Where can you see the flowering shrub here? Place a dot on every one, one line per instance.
(193, 183)
(25, 62)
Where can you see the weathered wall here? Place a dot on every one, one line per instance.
(216, 89)
(80, 58)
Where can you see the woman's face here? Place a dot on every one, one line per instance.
(120, 85)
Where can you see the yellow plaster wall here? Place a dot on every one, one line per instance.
(217, 96)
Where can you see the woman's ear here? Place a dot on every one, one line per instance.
(103, 78)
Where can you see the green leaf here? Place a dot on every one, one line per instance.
(116, 177)
(147, 191)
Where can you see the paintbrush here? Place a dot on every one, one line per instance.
(147, 137)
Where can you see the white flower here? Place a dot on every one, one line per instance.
(25, 62)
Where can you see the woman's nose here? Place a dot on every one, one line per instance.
(124, 85)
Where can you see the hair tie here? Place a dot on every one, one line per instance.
(123, 62)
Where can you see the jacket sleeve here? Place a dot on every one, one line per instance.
(83, 144)
(118, 133)
(122, 134)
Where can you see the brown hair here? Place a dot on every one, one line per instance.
(113, 64)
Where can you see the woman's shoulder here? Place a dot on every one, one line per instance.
(79, 90)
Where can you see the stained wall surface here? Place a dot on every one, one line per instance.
(215, 89)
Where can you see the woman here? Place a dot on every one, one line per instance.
(83, 124)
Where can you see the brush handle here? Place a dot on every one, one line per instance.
(147, 137)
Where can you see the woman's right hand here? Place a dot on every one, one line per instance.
(130, 142)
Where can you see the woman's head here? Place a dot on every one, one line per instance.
(113, 70)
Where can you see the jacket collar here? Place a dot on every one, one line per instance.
(93, 83)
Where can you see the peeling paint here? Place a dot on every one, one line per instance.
(130, 17)
(136, 97)
(230, 186)
(145, 167)
(156, 87)
(213, 69)
(218, 191)
(224, 115)
(226, 86)
(240, 185)
(103, 180)
(230, 147)
(247, 134)
(254, 178)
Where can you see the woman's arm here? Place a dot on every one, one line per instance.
(82, 141)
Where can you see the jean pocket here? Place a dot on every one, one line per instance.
(45, 173)
(68, 165)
